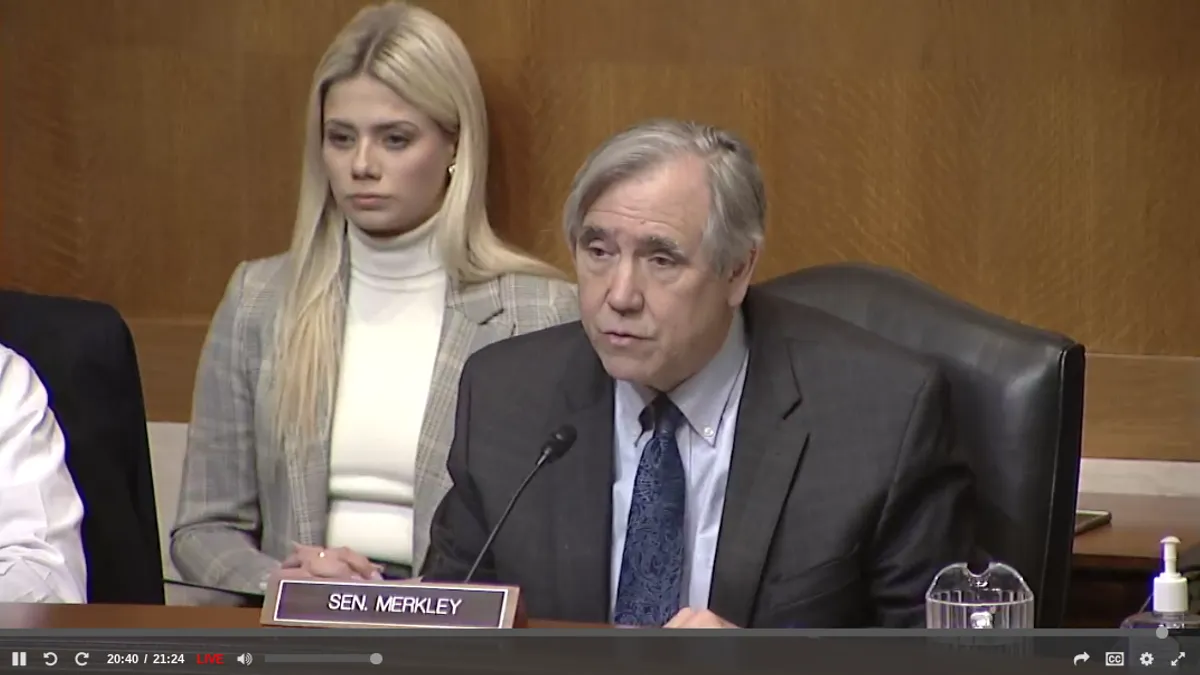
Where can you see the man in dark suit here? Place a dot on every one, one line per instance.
(741, 460)
(84, 353)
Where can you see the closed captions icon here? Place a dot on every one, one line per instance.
(1114, 658)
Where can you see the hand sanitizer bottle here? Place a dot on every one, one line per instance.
(1169, 604)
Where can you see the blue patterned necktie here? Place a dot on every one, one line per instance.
(649, 588)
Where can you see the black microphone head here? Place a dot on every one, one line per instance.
(559, 443)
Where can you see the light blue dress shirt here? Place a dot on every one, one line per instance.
(709, 401)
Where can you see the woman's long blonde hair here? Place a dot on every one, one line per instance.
(423, 60)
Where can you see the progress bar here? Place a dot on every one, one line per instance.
(373, 659)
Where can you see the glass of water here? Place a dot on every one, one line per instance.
(998, 598)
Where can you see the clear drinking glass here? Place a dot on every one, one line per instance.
(998, 597)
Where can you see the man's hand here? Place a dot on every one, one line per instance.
(331, 563)
(697, 618)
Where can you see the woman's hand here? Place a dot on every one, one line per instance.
(331, 563)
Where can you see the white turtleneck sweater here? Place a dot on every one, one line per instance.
(393, 325)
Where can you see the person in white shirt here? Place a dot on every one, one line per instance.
(41, 549)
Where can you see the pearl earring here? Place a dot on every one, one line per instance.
(451, 169)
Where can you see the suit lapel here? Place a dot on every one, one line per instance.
(308, 480)
(474, 318)
(581, 512)
(769, 440)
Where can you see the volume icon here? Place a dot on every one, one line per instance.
(245, 659)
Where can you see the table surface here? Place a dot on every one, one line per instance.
(1139, 522)
(126, 616)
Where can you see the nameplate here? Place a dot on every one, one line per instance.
(388, 604)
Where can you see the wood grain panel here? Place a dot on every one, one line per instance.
(168, 350)
(1039, 158)
(1142, 407)
(40, 222)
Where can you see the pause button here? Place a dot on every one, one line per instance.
(20, 658)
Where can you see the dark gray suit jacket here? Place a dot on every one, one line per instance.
(845, 495)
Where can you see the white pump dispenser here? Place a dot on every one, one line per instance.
(1170, 587)
(1169, 602)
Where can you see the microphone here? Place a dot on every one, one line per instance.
(555, 447)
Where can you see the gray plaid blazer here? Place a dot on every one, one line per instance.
(244, 499)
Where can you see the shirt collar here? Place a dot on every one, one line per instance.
(704, 397)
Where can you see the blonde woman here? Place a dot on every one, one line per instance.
(326, 390)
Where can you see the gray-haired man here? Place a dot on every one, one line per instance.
(741, 461)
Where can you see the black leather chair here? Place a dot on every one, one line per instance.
(84, 354)
(1017, 397)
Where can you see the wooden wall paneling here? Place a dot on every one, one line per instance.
(168, 352)
(1039, 159)
(1142, 407)
(41, 231)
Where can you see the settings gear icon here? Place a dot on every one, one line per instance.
(1147, 659)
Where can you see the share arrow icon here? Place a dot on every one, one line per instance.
(1081, 658)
